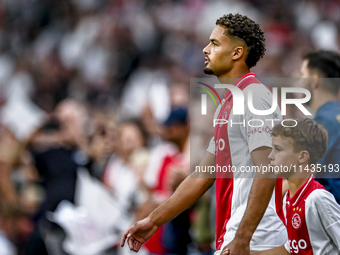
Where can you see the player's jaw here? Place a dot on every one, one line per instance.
(207, 70)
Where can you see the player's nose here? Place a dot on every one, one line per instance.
(271, 156)
(206, 50)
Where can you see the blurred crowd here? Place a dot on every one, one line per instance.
(94, 110)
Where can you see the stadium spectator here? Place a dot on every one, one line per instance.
(168, 167)
(120, 176)
(54, 148)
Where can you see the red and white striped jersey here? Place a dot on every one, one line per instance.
(232, 145)
(312, 220)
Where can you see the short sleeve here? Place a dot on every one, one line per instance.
(258, 128)
(287, 246)
(323, 218)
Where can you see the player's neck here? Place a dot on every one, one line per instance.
(233, 75)
(296, 182)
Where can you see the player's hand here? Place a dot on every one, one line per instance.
(236, 247)
(138, 234)
(225, 251)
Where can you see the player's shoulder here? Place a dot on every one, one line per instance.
(329, 113)
(258, 90)
(320, 198)
(321, 206)
(260, 96)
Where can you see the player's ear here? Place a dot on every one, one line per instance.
(238, 53)
(304, 157)
(316, 81)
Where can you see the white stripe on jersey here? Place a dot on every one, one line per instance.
(309, 180)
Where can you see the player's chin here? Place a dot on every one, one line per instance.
(283, 174)
(278, 174)
(207, 70)
(274, 170)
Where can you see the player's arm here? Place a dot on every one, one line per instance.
(259, 197)
(185, 195)
(323, 210)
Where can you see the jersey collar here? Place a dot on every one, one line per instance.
(239, 83)
(293, 201)
(248, 75)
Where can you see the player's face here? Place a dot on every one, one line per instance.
(218, 53)
(304, 69)
(282, 155)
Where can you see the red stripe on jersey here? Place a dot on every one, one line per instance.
(224, 181)
(222, 219)
(278, 199)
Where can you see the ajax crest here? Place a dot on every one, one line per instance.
(296, 221)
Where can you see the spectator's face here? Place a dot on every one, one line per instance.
(174, 133)
(71, 115)
(304, 69)
(282, 155)
(305, 73)
(170, 133)
(131, 138)
(179, 95)
(218, 53)
(111, 137)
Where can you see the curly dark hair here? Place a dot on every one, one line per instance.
(243, 28)
(306, 135)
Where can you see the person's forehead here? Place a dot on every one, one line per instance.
(218, 33)
(282, 141)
